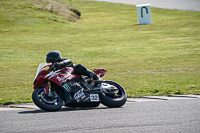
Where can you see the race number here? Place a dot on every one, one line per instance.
(94, 97)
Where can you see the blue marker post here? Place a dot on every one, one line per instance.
(144, 14)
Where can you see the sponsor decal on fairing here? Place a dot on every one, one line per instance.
(78, 96)
(66, 86)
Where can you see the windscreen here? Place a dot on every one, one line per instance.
(39, 68)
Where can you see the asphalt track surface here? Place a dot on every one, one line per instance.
(187, 5)
(175, 114)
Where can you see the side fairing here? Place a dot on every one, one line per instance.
(59, 79)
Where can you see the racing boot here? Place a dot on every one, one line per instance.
(97, 79)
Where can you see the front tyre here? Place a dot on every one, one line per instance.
(46, 103)
(113, 100)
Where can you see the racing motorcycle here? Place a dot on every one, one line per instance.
(56, 88)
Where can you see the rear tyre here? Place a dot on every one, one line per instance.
(52, 103)
(114, 100)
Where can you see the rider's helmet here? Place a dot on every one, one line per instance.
(53, 56)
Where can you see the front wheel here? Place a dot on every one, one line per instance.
(47, 103)
(113, 99)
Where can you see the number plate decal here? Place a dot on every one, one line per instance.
(94, 97)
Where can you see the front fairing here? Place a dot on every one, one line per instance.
(40, 68)
(40, 79)
(40, 74)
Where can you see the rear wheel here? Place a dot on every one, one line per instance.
(47, 103)
(112, 100)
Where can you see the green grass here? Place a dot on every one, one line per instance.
(158, 59)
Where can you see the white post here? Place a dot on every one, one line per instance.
(144, 14)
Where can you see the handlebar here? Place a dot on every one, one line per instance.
(52, 68)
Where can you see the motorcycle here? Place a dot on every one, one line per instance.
(56, 88)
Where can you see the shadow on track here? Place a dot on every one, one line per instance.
(63, 109)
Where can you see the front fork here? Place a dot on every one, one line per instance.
(48, 89)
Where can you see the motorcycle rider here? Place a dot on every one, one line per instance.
(58, 62)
